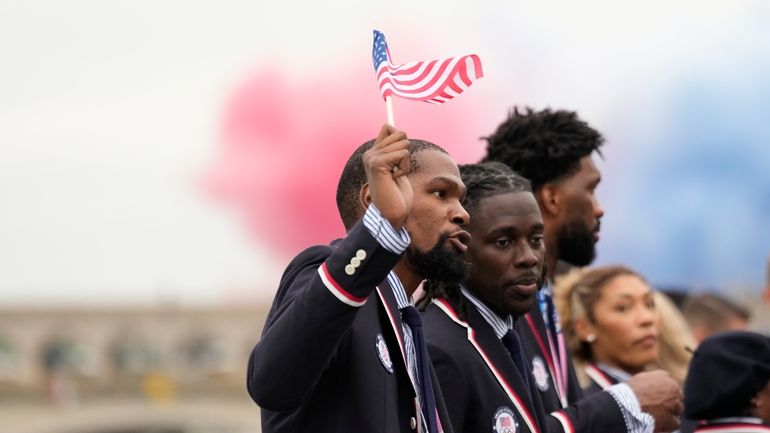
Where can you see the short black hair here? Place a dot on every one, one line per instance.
(481, 180)
(542, 146)
(353, 178)
(488, 179)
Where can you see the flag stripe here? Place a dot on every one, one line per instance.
(428, 78)
(434, 81)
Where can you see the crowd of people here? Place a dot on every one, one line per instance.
(462, 300)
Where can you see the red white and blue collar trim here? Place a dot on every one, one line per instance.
(599, 376)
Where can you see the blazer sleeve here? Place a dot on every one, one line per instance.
(598, 412)
(319, 297)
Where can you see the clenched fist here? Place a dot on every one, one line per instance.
(386, 165)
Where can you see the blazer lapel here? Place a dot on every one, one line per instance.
(394, 328)
(532, 328)
(498, 355)
(599, 376)
(532, 323)
(497, 359)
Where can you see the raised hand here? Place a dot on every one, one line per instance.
(386, 165)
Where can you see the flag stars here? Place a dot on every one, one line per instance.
(434, 82)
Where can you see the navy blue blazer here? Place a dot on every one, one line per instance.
(481, 385)
(330, 358)
(596, 413)
(482, 388)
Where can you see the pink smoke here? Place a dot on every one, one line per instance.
(284, 145)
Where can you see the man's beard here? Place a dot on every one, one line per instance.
(440, 263)
(576, 243)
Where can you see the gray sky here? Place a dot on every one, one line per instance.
(109, 112)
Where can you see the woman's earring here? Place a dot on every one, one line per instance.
(591, 338)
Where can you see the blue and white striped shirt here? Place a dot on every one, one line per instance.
(380, 228)
(396, 242)
(498, 324)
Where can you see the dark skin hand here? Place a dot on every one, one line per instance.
(386, 165)
(660, 396)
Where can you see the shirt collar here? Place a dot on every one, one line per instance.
(499, 325)
(402, 300)
(616, 373)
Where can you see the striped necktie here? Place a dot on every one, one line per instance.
(412, 318)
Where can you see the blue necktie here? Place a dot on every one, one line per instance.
(511, 342)
(412, 318)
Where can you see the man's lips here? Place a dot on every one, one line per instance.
(524, 286)
(460, 240)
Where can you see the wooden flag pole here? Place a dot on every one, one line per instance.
(389, 108)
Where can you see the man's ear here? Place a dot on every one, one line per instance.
(551, 199)
(364, 197)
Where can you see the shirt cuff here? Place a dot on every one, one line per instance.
(636, 420)
(389, 238)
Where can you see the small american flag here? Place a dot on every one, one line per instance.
(434, 81)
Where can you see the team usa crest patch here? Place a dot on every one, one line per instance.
(504, 421)
(383, 353)
(540, 373)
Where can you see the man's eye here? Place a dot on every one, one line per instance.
(439, 193)
(537, 240)
(502, 243)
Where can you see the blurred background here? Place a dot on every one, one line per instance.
(160, 163)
